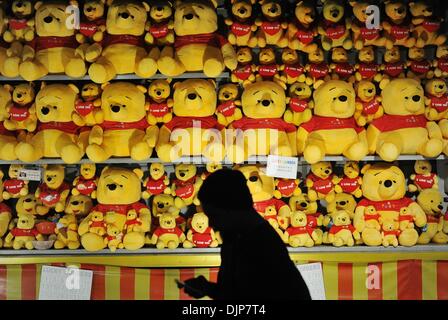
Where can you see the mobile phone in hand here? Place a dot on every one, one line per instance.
(188, 289)
(180, 284)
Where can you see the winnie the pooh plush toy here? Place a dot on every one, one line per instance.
(262, 130)
(367, 68)
(334, 27)
(228, 109)
(210, 167)
(161, 24)
(200, 234)
(241, 24)
(441, 63)
(21, 24)
(362, 35)
(123, 128)
(286, 188)
(67, 233)
(340, 67)
(303, 30)
(22, 113)
(299, 104)
(299, 234)
(164, 203)
(423, 178)
(431, 202)
(390, 232)
(406, 219)
(372, 218)
(194, 130)
(5, 214)
(58, 134)
(392, 67)
(53, 191)
(78, 205)
(198, 47)
(244, 72)
(158, 181)
(368, 103)
(351, 182)
(132, 221)
(167, 235)
(271, 26)
(123, 49)
(24, 233)
(113, 238)
(93, 24)
(332, 130)
(54, 50)
(118, 192)
(418, 67)
(160, 103)
(425, 26)
(313, 218)
(8, 139)
(397, 24)
(342, 232)
(29, 204)
(319, 181)
(403, 129)
(384, 188)
(86, 182)
(89, 103)
(292, 70)
(14, 187)
(186, 185)
(317, 70)
(277, 222)
(268, 68)
(436, 100)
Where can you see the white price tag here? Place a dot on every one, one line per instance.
(314, 278)
(282, 167)
(28, 174)
(57, 283)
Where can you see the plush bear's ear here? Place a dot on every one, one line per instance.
(104, 85)
(411, 4)
(9, 87)
(169, 80)
(142, 89)
(38, 5)
(109, 2)
(138, 172)
(353, 3)
(147, 7)
(175, 85)
(1, 174)
(365, 168)
(299, 3)
(74, 3)
(213, 82)
(104, 169)
(103, 2)
(31, 84)
(214, 3)
(44, 166)
(74, 88)
(43, 84)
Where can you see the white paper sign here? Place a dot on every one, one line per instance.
(57, 283)
(282, 167)
(28, 174)
(313, 276)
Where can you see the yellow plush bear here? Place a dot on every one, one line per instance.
(319, 181)
(299, 104)
(194, 130)
(334, 28)
(277, 222)
(132, 221)
(159, 102)
(396, 24)
(58, 134)
(425, 26)
(8, 139)
(271, 27)
(118, 193)
(210, 167)
(186, 185)
(441, 63)
(384, 188)
(5, 214)
(372, 218)
(21, 25)
(113, 238)
(22, 113)
(314, 219)
(292, 70)
(390, 232)
(79, 205)
(88, 105)
(423, 178)
(241, 26)
(200, 234)
(418, 67)
(403, 129)
(3, 45)
(362, 34)
(392, 67)
(317, 69)
(342, 201)
(123, 129)
(85, 183)
(158, 181)
(268, 69)
(123, 49)
(244, 72)
(167, 235)
(431, 202)
(286, 188)
(368, 104)
(54, 190)
(55, 49)
(164, 203)
(340, 66)
(342, 232)
(303, 30)
(24, 233)
(14, 187)
(29, 204)
(93, 24)
(160, 24)
(436, 100)
(262, 131)
(367, 68)
(197, 47)
(228, 109)
(67, 233)
(351, 182)
(332, 130)
(299, 234)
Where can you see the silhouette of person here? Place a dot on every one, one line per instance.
(255, 263)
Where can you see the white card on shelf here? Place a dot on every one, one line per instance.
(71, 283)
(30, 174)
(313, 276)
(282, 167)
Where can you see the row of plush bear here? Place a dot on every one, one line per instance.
(402, 120)
(126, 39)
(67, 217)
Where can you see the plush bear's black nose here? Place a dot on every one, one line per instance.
(189, 16)
(370, 90)
(342, 98)
(253, 179)
(440, 207)
(124, 15)
(416, 98)
(115, 109)
(160, 206)
(226, 95)
(45, 110)
(49, 179)
(89, 9)
(19, 4)
(242, 11)
(112, 186)
(400, 10)
(273, 9)
(429, 10)
(159, 8)
(19, 95)
(327, 171)
(266, 103)
(335, 13)
(182, 174)
(388, 183)
(28, 200)
(158, 92)
(75, 203)
(192, 96)
(343, 203)
(441, 87)
(48, 19)
(303, 204)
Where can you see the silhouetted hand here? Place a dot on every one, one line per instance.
(197, 287)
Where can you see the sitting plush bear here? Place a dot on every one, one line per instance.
(362, 34)
(292, 70)
(351, 182)
(210, 167)
(403, 129)
(88, 105)
(160, 103)
(157, 183)
(390, 232)
(21, 25)
(313, 218)
(332, 130)
(367, 68)
(114, 238)
(425, 26)
(441, 63)
(24, 233)
(268, 68)
(302, 31)
(342, 232)
(86, 182)
(123, 129)
(67, 233)
(430, 200)
(29, 204)
(384, 188)
(320, 181)
(436, 100)
(392, 67)
(8, 139)
(241, 24)
(194, 130)
(123, 49)
(161, 24)
(244, 72)
(198, 46)
(368, 103)
(5, 213)
(397, 25)
(342, 201)
(93, 24)
(228, 109)
(334, 27)
(423, 178)
(418, 66)
(22, 113)
(167, 235)
(271, 26)
(97, 224)
(317, 69)
(200, 234)
(79, 205)
(58, 134)
(299, 104)
(299, 234)
(340, 66)
(14, 187)
(164, 203)
(262, 131)
(54, 190)
(186, 185)
(132, 220)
